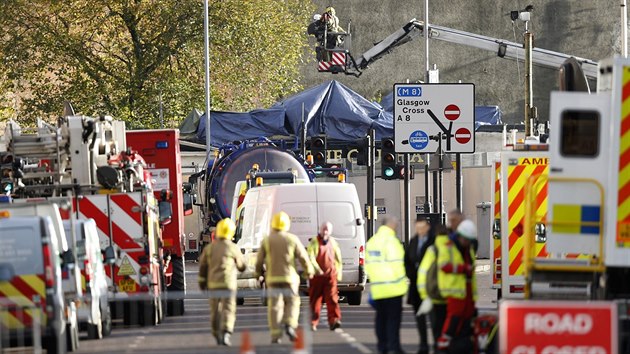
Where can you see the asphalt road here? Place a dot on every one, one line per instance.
(191, 332)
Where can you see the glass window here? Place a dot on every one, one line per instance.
(579, 136)
(21, 247)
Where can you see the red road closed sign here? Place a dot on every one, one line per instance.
(451, 112)
(558, 327)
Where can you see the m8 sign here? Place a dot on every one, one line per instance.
(558, 327)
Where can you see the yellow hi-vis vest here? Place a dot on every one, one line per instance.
(429, 258)
(453, 284)
(384, 265)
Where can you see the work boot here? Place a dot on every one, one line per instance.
(218, 338)
(335, 325)
(290, 331)
(276, 341)
(227, 341)
(314, 328)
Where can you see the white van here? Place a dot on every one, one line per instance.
(93, 313)
(308, 205)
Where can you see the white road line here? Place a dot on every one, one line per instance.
(353, 342)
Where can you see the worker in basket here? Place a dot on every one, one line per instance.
(326, 23)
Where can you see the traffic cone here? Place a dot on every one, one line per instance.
(298, 345)
(246, 344)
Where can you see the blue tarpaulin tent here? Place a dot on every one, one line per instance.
(230, 126)
(336, 111)
(484, 115)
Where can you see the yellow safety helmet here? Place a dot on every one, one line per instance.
(281, 221)
(330, 10)
(225, 229)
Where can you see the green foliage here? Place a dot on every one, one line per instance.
(119, 57)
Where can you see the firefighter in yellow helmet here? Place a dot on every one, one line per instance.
(276, 260)
(220, 261)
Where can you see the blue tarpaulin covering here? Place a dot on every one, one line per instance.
(336, 111)
(230, 126)
(484, 115)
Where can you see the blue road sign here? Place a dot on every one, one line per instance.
(418, 140)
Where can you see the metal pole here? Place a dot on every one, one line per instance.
(426, 41)
(303, 133)
(530, 111)
(440, 177)
(624, 29)
(458, 180)
(371, 184)
(161, 111)
(206, 36)
(427, 201)
(407, 201)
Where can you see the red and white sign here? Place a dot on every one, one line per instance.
(552, 327)
(338, 59)
(451, 112)
(462, 135)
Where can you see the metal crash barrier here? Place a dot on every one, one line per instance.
(20, 327)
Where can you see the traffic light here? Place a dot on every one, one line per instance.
(400, 172)
(363, 151)
(389, 159)
(318, 150)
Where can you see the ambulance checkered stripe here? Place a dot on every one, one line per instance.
(517, 179)
(623, 201)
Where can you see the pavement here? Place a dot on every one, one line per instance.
(191, 333)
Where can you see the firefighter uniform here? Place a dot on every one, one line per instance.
(384, 264)
(325, 256)
(278, 253)
(218, 267)
(457, 283)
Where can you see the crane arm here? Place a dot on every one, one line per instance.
(503, 48)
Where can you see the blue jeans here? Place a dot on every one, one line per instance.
(387, 324)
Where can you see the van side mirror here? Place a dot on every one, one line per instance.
(68, 258)
(166, 212)
(6, 272)
(109, 255)
(189, 198)
(360, 221)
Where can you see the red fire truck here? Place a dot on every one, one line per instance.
(160, 150)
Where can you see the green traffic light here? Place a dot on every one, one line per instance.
(389, 172)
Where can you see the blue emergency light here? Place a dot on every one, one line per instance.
(161, 145)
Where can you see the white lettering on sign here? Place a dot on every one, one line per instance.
(552, 323)
(566, 349)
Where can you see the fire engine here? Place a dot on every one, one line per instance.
(160, 150)
(87, 160)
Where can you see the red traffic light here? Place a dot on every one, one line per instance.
(318, 143)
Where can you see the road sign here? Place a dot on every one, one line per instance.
(424, 112)
(558, 327)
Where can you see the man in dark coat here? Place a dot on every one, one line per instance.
(413, 256)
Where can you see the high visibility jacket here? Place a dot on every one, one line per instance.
(428, 259)
(452, 277)
(385, 265)
(278, 253)
(218, 264)
(313, 251)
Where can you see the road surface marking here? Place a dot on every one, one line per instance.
(353, 342)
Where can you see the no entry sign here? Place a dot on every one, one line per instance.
(550, 327)
(429, 115)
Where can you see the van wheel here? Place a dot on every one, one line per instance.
(55, 344)
(95, 331)
(354, 298)
(175, 307)
(130, 313)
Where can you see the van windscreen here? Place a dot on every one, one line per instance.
(21, 246)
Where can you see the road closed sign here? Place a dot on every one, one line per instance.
(558, 327)
(427, 116)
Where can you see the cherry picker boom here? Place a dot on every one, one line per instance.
(414, 28)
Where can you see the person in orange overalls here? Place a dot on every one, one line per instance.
(325, 255)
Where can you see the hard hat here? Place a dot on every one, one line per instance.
(467, 229)
(225, 229)
(281, 221)
(330, 10)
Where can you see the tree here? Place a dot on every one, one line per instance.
(120, 57)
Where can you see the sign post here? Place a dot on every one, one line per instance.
(423, 112)
(558, 327)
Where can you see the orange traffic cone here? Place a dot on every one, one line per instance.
(246, 344)
(298, 345)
